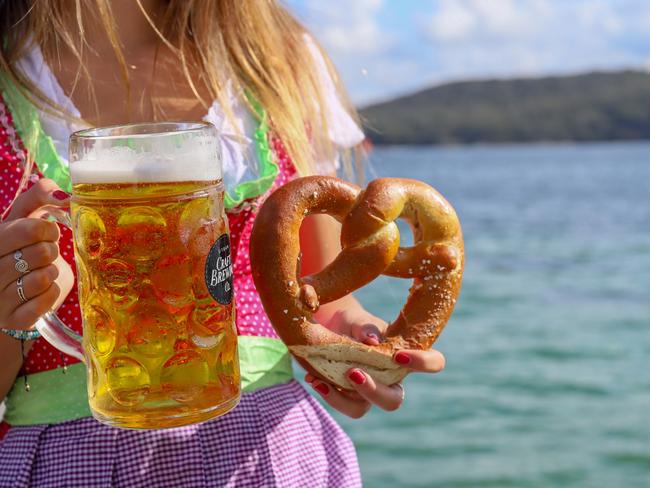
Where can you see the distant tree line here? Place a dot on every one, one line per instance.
(588, 107)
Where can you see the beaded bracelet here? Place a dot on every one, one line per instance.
(22, 335)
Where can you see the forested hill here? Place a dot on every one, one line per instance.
(589, 107)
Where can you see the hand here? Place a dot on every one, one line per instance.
(366, 328)
(49, 279)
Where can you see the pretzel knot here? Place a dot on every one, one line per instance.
(370, 247)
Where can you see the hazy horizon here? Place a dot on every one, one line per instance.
(486, 78)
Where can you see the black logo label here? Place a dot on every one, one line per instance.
(218, 271)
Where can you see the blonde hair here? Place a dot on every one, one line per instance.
(256, 44)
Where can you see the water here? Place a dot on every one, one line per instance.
(548, 378)
(547, 381)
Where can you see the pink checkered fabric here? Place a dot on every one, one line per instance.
(276, 437)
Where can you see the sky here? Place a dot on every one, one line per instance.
(385, 48)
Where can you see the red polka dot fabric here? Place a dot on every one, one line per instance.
(250, 318)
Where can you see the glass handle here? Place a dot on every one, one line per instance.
(49, 325)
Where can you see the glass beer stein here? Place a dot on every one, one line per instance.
(154, 275)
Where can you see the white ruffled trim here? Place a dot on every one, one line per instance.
(59, 129)
(237, 147)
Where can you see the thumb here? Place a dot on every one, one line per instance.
(366, 333)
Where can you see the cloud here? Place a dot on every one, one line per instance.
(388, 47)
(357, 41)
(465, 20)
(453, 23)
(347, 28)
(511, 37)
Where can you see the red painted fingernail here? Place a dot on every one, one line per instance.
(322, 388)
(402, 358)
(60, 195)
(357, 377)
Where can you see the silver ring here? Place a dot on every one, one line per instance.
(21, 265)
(21, 290)
(401, 387)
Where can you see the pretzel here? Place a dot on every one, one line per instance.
(370, 247)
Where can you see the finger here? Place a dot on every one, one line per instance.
(44, 192)
(28, 313)
(385, 397)
(353, 395)
(34, 283)
(18, 234)
(352, 407)
(429, 361)
(37, 256)
(366, 333)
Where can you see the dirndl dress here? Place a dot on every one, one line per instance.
(276, 436)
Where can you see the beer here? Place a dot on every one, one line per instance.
(155, 289)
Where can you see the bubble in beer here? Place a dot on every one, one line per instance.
(90, 231)
(141, 232)
(116, 274)
(83, 279)
(227, 366)
(101, 330)
(128, 381)
(153, 331)
(200, 225)
(182, 344)
(172, 281)
(124, 299)
(204, 238)
(207, 323)
(194, 214)
(206, 339)
(199, 287)
(92, 378)
(185, 375)
(228, 355)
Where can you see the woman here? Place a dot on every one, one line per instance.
(68, 65)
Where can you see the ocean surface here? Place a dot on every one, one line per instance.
(548, 352)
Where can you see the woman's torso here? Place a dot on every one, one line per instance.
(236, 147)
(278, 436)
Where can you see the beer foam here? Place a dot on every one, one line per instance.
(124, 165)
